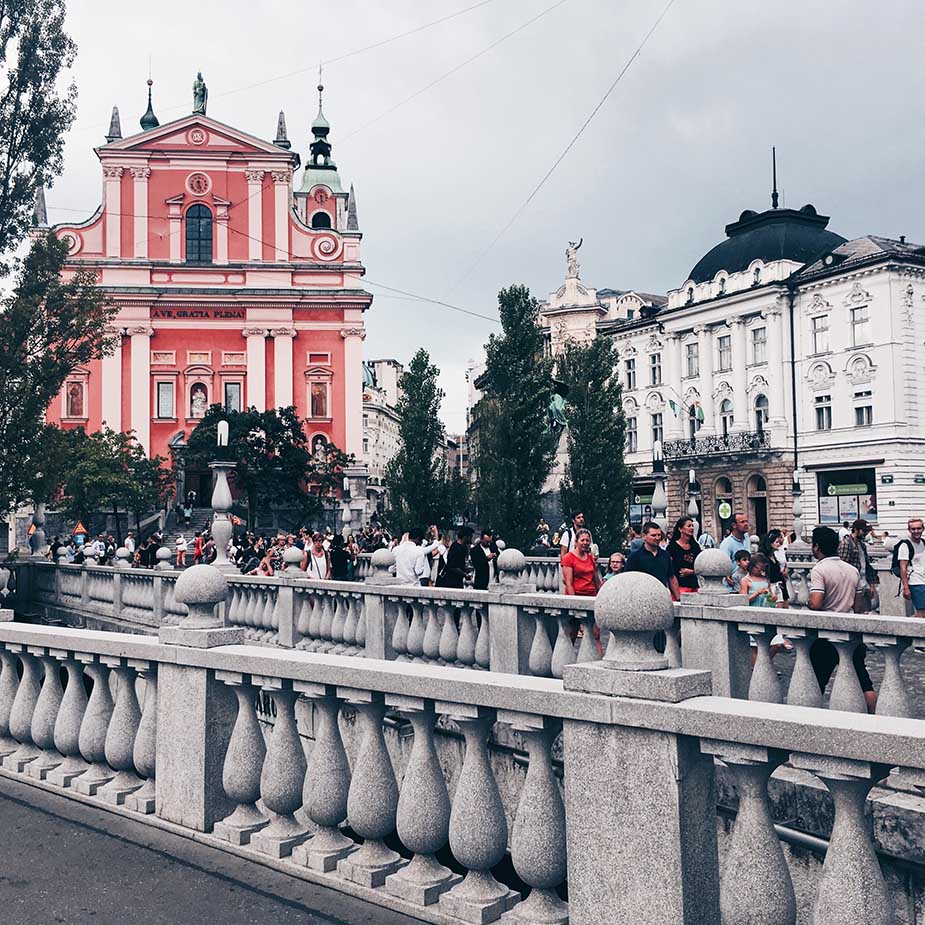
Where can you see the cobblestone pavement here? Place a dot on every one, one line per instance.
(66, 863)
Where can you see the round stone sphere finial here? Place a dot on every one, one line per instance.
(633, 607)
(201, 587)
(163, 556)
(382, 560)
(123, 558)
(711, 567)
(292, 557)
(512, 560)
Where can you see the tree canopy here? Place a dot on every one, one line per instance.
(274, 465)
(513, 447)
(596, 480)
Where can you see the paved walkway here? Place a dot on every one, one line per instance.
(69, 863)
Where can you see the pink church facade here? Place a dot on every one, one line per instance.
(232, 286)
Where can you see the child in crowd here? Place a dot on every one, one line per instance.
(742, 559)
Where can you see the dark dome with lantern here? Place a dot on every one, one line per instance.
(799, 235)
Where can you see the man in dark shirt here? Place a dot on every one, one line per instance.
(454, 571)
(484, 555)
(653, 560)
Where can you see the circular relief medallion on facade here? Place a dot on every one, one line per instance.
(197, 136)
(326, 247)
(198, 184)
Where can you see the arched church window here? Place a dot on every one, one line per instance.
(321, 219)
(761, 413)
(726, 416)
(198, 234)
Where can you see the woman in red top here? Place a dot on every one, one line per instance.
(579, 568)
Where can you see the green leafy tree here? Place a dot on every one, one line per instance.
(414, 477)
(514, 448)
(35, 111)
(274, 465)
(596, 480)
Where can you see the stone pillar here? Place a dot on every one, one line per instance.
(254, 213)
(140, 379)
(739, 375)
(256, 367)
(664, 866)
(175, 224)
(353, 389)
(112, 197)
(140, 177)
(705, 336)
(195, 711)
(778, 371)
(221, 233)
(111, 382)
(281, 180)
(674, 423)
(282, 366)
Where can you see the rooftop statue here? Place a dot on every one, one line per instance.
(571, 255)
(556, 420)
(200, 95)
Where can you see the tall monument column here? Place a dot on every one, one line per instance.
(353, 389)
(256, 367)
(140, 373)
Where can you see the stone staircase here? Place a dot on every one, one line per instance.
(200, 521)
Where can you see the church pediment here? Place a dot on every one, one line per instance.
(197, 133)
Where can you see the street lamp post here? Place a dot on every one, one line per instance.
(659, 496)
(222, 526)
(693, 490)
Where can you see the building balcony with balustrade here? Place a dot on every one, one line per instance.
(755, 443)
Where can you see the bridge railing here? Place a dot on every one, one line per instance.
(169, 733)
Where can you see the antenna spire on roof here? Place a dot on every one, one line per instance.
(774, 196)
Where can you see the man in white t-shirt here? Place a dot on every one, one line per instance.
(569, 536)
(912, 573)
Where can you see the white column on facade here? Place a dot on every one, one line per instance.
(673, 422)
(282, 366)
(705, 338)
(256, 367)
(353, 388)
(140, 378)
(777, 372)
(140, 177)
(740, 359)
(111, 384)
(254, 213)
(112, 181)
(281, 180)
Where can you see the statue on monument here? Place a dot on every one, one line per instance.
(571, 255)
(200, 95)
(556, 420)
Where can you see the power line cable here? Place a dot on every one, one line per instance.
(567, 148)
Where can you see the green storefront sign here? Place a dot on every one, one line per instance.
(856, 489)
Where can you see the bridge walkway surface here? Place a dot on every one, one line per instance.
(69, 863)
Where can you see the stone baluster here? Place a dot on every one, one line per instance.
(423, 815)
(846, 688)
(327, 783)
(302, 611)
(401, 629)
(269, 622)
(483, 641)
(120, 736)
(341, 605)
(540, 661)
(9, 684)
(235, 605)
(538, 849)
(361, 626)
(283, 775)
(851, 890)
(765, 684)
(327, 621)
(93, 729)
(448, 648)
(373, 798)
(563, 652)
(803, 690)
(319, 599)
(465, 648)
(144, 751)
(893, 698)
(243, 763)
(755, 885)
(432, 632)
(43, 719)
(68, 724)
(354, 605)
(478, 827)
(420, 611)
(587, 648)
(27, 695)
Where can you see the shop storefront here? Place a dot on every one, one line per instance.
(641, 503)
(847, 494)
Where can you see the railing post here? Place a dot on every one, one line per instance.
(84, 586)
(158, 591)
(380, 619)
(195, 711)
(285, 611)
(663, 866)
(716, 645)
(116, 594)
(510, 631)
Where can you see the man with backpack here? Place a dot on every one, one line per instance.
(909, 566)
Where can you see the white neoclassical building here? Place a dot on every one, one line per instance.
(787, 348)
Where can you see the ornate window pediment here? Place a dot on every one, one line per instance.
(820, 376)
(758, 384)
(654, 401)
(653, 344)
(860, 369)
(818, 305)
(858, 295)
(723, 390)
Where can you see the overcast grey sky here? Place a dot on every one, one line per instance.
(680, 149)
